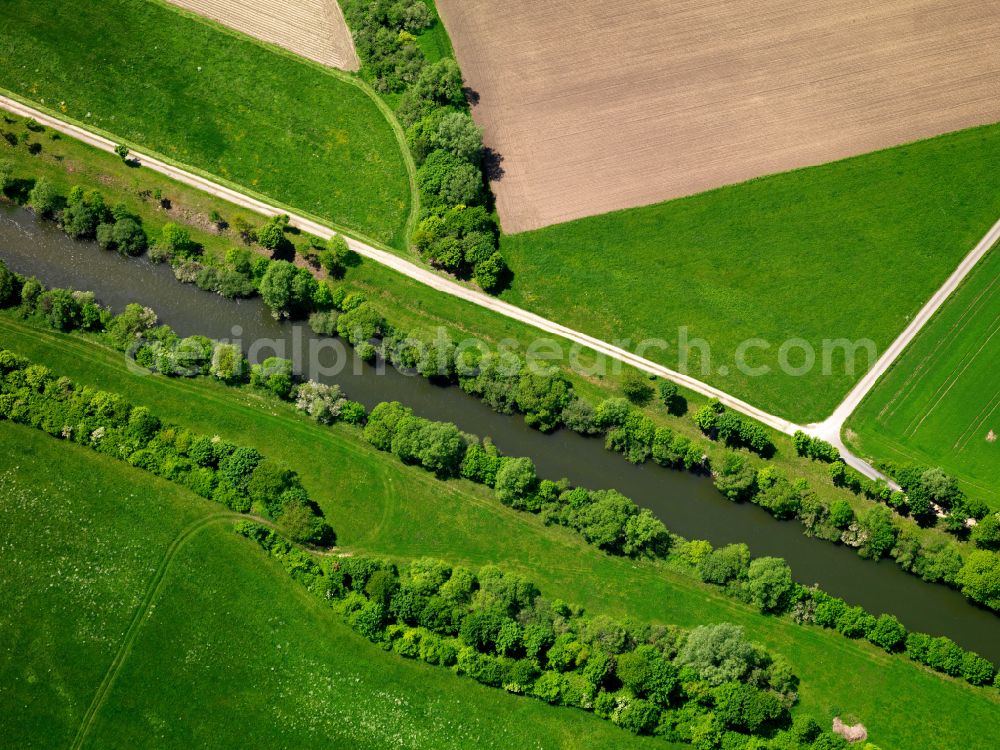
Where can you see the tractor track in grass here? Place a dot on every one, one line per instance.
(156, 584)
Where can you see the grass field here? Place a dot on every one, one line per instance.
(434, 42)
(378, 505)
(278, 125)
(846, 250)
(230, 654)
(940, 404)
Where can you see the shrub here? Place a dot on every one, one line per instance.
(320, 401)
(273, 374)
(43, 198)
(725, 564)
(516, 480)
(719, 653)
(769, 581)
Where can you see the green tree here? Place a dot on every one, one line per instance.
(879, 532)
(637, 388)
(489, 273)
(8, 292)
(457, 133)
(769, 581)
(516, 480)
(287, 290)
(647, 674)
(228, 364)
(736, 478)
(43, 198)
(273, 374)
(979, 578)
(128, 237)
(985, 534)
(729, 563)
(668, 394)
(6, 171)
(271, 235)
(448, 180)
(719, 653)
(334, 258)
(176, 240)
(888, 633)
(841, 514)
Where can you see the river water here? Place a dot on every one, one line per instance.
(689, 505)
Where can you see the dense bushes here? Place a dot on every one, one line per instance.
(766, 582)
(456, 232)
(735, 431)
(604, 518)
(497, 629)
(239, 477)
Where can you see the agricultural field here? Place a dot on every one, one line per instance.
(596, 107)
(940, 403)
(230, 652)
(380, 506)
(848, 250)
(314, 29)
(209, 98)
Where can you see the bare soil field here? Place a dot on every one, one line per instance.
(595, 106)
(314, 29)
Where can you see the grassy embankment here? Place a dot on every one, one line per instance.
(434, 42)
(940, 403)
(231, 652)
(66, 162)
(848, 250)
(266, 121)
(380, 506)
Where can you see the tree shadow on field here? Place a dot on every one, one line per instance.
(19, 189)
(493, 165)
(471, 95)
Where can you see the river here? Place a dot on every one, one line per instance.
(689, 505)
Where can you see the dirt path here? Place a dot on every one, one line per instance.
(829, 430)
(156, 584)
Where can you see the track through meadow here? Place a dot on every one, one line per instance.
(153, 589)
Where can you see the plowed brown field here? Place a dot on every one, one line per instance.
(314, 29)
(596, 105)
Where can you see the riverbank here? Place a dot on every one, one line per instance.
(688, 505)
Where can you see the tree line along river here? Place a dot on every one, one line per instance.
(689, 505)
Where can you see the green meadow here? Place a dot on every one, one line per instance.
(229, 653)
(848, 250)
(380, 506)
(940, 403)
(260, 119)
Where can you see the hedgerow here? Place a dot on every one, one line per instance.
(239, 477)
(457, 232)
(496, 628)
